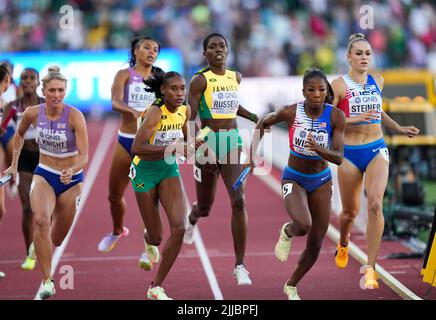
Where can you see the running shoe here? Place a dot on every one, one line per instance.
(371, 278)
(190, 231)
(48, 289)
(110, 240)
(291, 292)
(145, 263)
(28, 264)
(283, 245)
(2, 275)
(241, 275)
(341, 256)
(157, 293)
(152, 252)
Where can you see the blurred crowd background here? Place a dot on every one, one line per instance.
(267, 37)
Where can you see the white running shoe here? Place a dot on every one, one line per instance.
(283, 245)
(190, 231)
(2, 275)
(152, 252)
(157, 293)
(48, 289)
(110, 240)
(291, 292)
(241, 275)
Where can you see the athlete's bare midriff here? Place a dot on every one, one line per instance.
(220, 124)
(57, 163)
(362, 134)
(128, 124)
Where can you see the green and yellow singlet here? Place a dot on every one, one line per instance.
(169, 128)
(220, 99)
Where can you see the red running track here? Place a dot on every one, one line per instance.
(116, 275)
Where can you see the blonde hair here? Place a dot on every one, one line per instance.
(354, 38)
(53, 74)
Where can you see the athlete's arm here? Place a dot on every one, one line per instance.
(117, 90)
(78, 122)
(140, 145)
(285, 113)
(29, 117)
(196, 88)
(336, 153)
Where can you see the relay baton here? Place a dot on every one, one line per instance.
(5, 179)
(241, 178)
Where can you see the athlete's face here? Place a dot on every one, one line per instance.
(216, 51)
(359, 56)
(4, 85)
(54, 93)
(174, 91)
(29, 81)
(146, 52)
(315, 92)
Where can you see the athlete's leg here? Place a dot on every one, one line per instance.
(319, 206)
(64, 213)
(172, 198)
(376, 179)
(350, 181)
(148, 204)
(205, 191)
(26, 222)
(42, 201)
(118, 180)
(230, 172)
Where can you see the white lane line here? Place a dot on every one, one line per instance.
(105, 142)
(354, 251)
(204, 258)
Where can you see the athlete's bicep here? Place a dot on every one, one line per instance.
(151, 119)
(117, 89)
(78, 123)
(196, 89)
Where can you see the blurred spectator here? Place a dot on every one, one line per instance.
(267, 38)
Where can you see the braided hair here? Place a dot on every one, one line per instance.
(317, 73)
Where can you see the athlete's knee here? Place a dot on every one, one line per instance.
(349, 215)
(41, 223)
(238, 203)
(300, 229)
(375, 206)
(115, 197)
(178, 230)
(201, 210)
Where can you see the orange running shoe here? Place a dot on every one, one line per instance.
(371, 278)
(341, 256)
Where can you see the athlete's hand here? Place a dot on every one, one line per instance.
(409, 131)
(311, 144)
(12, 170)
(365, 117)
(66, 175)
